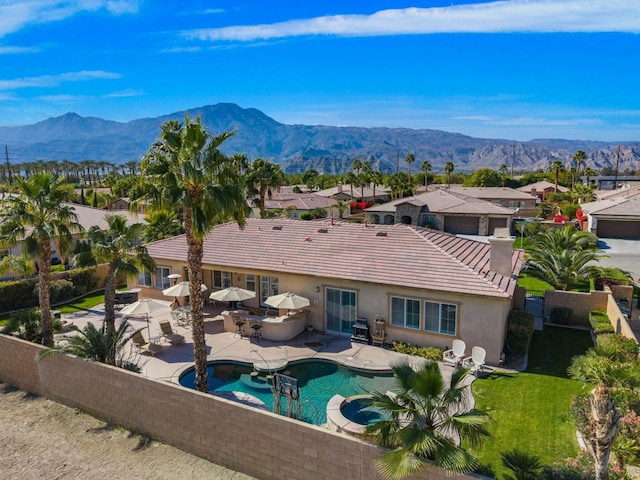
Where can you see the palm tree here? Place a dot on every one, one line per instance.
(523, 465)
(561, 257)
(161, 224)
(448, 168)
(262, 176)
(503, 170)
(579, 158)
(556, 168)
(119, 247)
(100, 346)
(409, 159)
(426, 420)
(588, 172)
(602, 415)
(350, 178)
(37, 217)
(426, 167)
(376, 177)
(21, 266)
(185, 169)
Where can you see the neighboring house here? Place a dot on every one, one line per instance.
(121, 203)
(626, 190)
(617, 217)
(429, 286)
(611, 182)
(443, 210)
(360, 194)
(503, 196)
(542, 189)
(296, 203)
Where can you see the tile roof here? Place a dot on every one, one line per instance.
(541, 186)
(399, 255)
(626, 191)
(90, 216)
(446, 201)
(301, 201)
(492, 193)
(346, 188)
(620, 207)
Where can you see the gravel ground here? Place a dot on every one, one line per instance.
(42, 439)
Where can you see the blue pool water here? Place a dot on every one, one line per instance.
(319, 380)
(359, 411)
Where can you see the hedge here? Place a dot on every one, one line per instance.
(17, 294)
(520, 331)
(600, 322)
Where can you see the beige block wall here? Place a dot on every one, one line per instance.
(618, 321)
(257, 443)
(580, 303)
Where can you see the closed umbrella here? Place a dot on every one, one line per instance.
(232, 294)
(180, 289)
(287, 300)
(146, 306)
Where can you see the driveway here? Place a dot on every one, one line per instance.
(623, 254)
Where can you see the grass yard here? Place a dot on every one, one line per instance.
(530, 409)
(533, 283)
(85, 303)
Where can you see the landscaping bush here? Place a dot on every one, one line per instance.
(430, 353)
(84, 279)
(306, 216)
(520, 331)
(61, 290)
(17, 295)
(600, 322)
(617, 347)
(561, 315)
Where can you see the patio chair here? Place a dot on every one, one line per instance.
(379, 332)
(476, 361)
(455, 355)
(167, 332)
(143, 346)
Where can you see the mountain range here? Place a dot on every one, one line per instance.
(299, 147)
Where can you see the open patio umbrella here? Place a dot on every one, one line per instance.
(146, 306)
(232, 294)
(287, 300)
(180, 289)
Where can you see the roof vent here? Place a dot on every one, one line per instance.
(323, 230)
(381, 234)
(276, 227)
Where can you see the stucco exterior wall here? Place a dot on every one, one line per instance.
(248, 440)
(580, 303)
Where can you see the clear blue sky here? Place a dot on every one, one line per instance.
(512, 69)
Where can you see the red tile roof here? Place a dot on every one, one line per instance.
(400, 255)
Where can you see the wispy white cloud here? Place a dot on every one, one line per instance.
(124, 94)
(541, 16)
(8, 49)
(15, 15)
(55, 80)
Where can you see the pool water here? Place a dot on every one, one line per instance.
(359, 411)
(318, 380)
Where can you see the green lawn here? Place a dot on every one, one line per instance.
(533, 283)
(84, 303)
(530, 410)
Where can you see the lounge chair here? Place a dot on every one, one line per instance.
(167, 332)
(455, 355)
(476, 361)
(143, 346)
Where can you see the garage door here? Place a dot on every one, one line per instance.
(618, 229)
(466, 225)
(496, 223)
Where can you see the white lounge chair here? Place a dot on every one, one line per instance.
(455, 355)
(476, 361)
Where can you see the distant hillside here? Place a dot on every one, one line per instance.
(298, 147)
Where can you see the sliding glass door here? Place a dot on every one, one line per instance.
(340, 313)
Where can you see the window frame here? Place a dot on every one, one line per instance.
(405, 312)
(162, 281)
(144, 274)
(441, 317)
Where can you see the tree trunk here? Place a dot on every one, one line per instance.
(110, 300)
(44, 295)
(194, 265)
(604, 418)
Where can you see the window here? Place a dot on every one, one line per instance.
(221, 279)
(144, 278)
(161, 278)
(405, 312)
(440, 318)
(268, 287)
(250, 280)
(515, 204)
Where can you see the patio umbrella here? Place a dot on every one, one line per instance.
(232, 294)
(146, 306)
(180, 289)
(287, 300)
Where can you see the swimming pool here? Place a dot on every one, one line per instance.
(318, 381)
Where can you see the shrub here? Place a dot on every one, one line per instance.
(306, 216)
(61, 290)
(25, 325)
(430, 353)
(17, 295)
(600, 323)
(561, 315)
(520, 331)
(617, 347)
(83, 277)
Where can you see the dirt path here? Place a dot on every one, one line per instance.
(42, 439)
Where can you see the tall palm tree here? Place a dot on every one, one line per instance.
(602, 413)
(186, 169)
(426, 168)
(161, 224)
(262, 176)
(579, 158)
(409, 159)
(503, 170)
(37, 217)
(448, 168)
(561, 257)
(350, 178)
(119, 247)
(423, 417)
(556, 168)
(376, 178)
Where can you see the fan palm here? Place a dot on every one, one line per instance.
(448, 169)
(602, 414)
(523, 465)
(119, 247)
(37, 217)
(185, 169)
(426, 167)
(426, 420)
(261, 178)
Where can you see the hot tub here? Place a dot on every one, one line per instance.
(352, 414)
